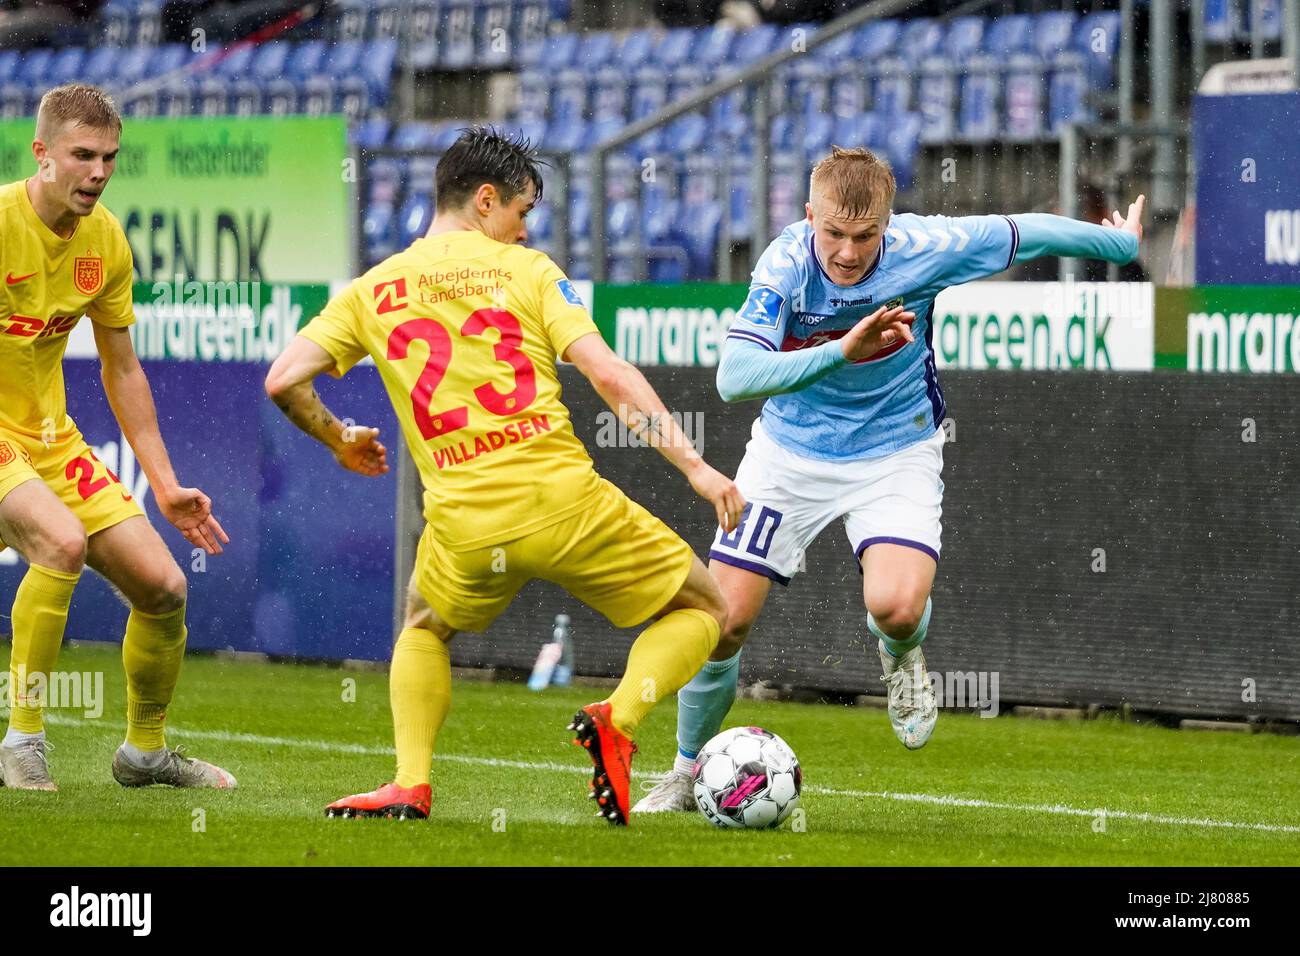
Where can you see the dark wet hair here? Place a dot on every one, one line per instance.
(481, 155)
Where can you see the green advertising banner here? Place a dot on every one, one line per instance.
(1229, 329)
(212, 321)
(222, 198)
(667, 324)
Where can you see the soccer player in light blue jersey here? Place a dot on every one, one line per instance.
(836, 334)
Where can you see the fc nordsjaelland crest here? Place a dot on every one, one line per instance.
(6, 453)
(88, 274)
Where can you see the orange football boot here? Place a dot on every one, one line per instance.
(611, 754)
(390, 800)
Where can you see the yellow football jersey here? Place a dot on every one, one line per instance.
(465, 332)
(49, 284)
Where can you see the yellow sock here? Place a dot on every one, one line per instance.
(667, 654)
(419, 689)
(151, 654)
(39, 616)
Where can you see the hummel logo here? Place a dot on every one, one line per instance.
(12, 279)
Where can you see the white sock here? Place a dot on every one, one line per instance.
(15, 737)
(683, 764)
(143, 758)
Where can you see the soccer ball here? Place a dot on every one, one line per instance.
(747, 777)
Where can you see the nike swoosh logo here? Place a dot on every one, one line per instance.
(12, 279)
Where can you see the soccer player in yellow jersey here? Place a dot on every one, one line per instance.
(64, 256)
(465, 327)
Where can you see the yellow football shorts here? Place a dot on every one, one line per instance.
(613, 556)
(68, 466)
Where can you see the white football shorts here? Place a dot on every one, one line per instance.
(896, 499)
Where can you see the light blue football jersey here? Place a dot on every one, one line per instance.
(892, 400)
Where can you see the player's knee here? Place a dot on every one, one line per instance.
(898, 615)
(167, 594)
(731, 640)
(64, 549)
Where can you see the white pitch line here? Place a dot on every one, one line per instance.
(938, 800)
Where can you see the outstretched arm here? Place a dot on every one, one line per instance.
(289, 385)
(1114, 240)
(634, 401)
(749, 370)
(127, 388)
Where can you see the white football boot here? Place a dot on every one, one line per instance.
(913, 707)
(674, 792)
(24, 766)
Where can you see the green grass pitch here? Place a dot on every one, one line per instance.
(509, 789)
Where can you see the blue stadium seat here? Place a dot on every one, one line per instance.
(66, 65)
(495, 44)
(673, 48)
(602, 129)
(936, 99)
(1008, 36)
(901, 141)
(596, 50)
(174, 56)
(810, 91)
(422, 34)
(981, 89)
(713, 45)
(1067, 95)
(178, 98)
(534, 100)
(269, 60)
(414, 217)
(213, 97)
(237, 62)
(1052, 32)
(649, 93)
(609, 96)
(754, 44)
(855, 131)
(457, 51)
(558, 53)
(818, 129)
(98, 67)
(848, 90)
(371, 133)
(891, 87)
(379, 227)
(685, 80)
(1270, 20)
(245, 98)
(36, 65)
(635, 50)
(353, 19)
(565, 135)
(1097, 38)
(1222, 20)
(686, 134)
(317, 96)
(280, 98)
(698, 225)
(445, 134)
(142, 105)
(918, 38)
(14, 101)
(376, 68)
(353, 98)
(9, 64)
(529, 30)
(964, 38)
(1025, 97)
(876, 39)
(305, 60)
(569, 95)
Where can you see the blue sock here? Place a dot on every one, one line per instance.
(703, 702)
(899, 648)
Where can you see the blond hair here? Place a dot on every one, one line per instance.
(77, 103)
(856, 182)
